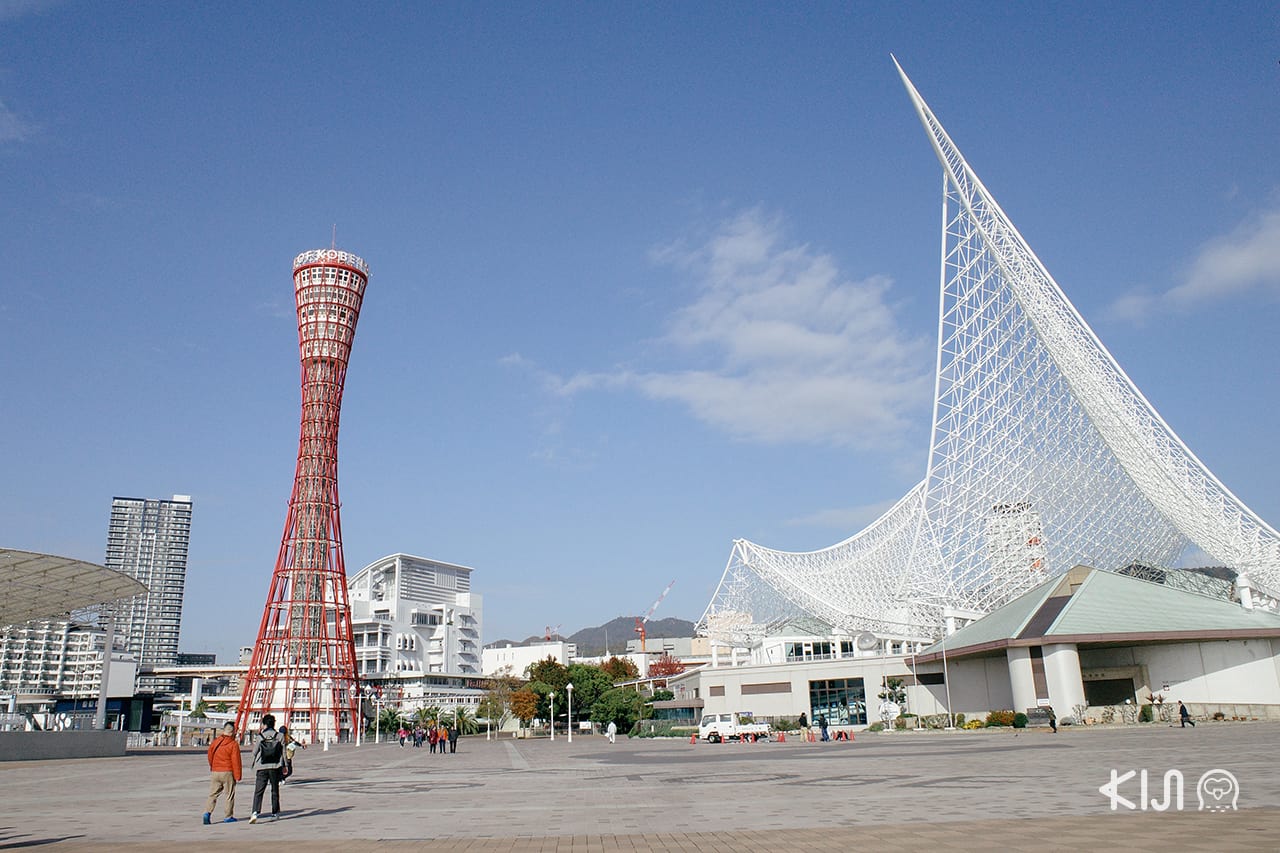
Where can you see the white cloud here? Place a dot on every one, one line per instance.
(11, 10)
(780, 347)
(1245, 260)
(12, 128)
(847, 518)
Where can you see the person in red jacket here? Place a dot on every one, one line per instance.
(224, 767)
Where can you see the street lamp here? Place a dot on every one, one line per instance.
(552, 696)
(946, 678)
(569, 689)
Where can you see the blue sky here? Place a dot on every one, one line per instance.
(645, 277)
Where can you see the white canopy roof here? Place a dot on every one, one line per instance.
(43, 586)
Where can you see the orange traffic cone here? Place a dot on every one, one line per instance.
(693, 738)
(782, 737)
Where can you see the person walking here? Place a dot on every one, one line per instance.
(822, 726)
(224, 773)
(1053, 718)
(432, 737)
(442, 736)
(291, 746)
(453, 738)
(612, 731)
(268, 757)
(402, 734)
(1184, 715)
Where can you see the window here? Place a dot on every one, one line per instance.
(841, 700)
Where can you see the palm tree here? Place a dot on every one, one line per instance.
(466, 721)
(426, 714)
(390, 720)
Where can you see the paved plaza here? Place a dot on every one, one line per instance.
(961, 791)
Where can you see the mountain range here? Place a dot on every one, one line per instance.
(612, 636)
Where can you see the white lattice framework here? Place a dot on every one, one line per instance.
(1044, 455)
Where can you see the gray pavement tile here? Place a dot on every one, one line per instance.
(952, 791)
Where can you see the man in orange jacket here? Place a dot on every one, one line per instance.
(224, 765)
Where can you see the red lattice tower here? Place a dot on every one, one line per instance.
(303, 669)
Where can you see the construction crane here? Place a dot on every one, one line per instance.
(641, 620)
(550, 631)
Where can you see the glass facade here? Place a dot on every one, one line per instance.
(843, 701)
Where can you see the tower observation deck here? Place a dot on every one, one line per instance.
(303, 665)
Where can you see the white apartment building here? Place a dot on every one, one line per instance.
(61, 658)
(414, 618)
(516, 659)
(148, 540)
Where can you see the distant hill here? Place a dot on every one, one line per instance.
(591, 641)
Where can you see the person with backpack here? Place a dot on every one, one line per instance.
(268, 757)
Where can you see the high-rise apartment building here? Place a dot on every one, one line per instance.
(148, 539)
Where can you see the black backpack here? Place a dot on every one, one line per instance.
(270, 750)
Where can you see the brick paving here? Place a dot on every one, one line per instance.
(961, 791)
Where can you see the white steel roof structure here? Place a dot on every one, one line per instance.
(44, 586)
(1044, 455)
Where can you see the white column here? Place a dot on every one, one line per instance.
(1245, 589)
(1062, 672)
(1021, 679)
(100, 713)
(715, 654)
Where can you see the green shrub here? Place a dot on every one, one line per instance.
(1019, 720)
(1146, 714)
(973, 724)
(876, 727)
(784, 724)
(1000, 718)
(959, 723)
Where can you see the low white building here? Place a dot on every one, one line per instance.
(413, 617)
(1090, 640)
(513, 659)
(1084, 642)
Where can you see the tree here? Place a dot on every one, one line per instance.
(662, 696)
(894, 691)
(390, 720)
(464, 720)
(426, 714)
(550, 672)
(524, 704)
(589, 684)
(620, 705)
(496, 704)
(201, 709)
(222, 707)
(620, 669)
(665, 666)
